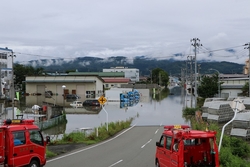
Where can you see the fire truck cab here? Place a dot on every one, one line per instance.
(179, 146)
(21, 144)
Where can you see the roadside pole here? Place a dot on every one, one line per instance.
(107, 121)
(102, 100)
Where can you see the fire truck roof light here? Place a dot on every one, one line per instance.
(171, 127)
(18, 121)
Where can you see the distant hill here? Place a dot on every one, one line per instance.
(93, 64)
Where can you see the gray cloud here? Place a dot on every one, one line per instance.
(160, 29)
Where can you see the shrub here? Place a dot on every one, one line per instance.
(73, 137)
(189, 111)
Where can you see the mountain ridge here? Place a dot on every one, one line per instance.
(144, 64)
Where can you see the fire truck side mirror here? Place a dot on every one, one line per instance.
(158, 144)
(47, 139)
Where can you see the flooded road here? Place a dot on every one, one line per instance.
(151, 112)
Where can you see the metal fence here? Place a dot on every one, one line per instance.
(51, 122)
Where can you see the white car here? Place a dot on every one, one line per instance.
(76, 104)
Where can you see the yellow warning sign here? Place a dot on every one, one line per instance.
(102, 100)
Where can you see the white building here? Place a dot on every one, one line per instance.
(131, 73)
(232, 84)
(6, 60)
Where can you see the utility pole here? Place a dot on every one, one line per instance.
(12, 84)
(151, 76)
(196, 43)
(191, 79)
(248, 47)
(159, 79)
(186, 82)
(183, 86)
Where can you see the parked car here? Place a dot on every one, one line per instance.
(76, 104)
(72, 96)
(91, 103)
(96, 109)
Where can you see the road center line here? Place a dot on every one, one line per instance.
(116, 163)
(156, 131)
(146, 143)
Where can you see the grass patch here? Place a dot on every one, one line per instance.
(49, 154)
(92, 138)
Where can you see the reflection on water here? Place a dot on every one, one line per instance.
(149, 112)
(152, 109)
(55, 132)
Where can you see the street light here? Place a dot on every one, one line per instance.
(218, 80)
(63, 87)
(237, 105)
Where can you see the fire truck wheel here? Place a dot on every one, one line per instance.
(33, 163)
(157, 163)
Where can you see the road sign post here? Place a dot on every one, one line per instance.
(102, 100)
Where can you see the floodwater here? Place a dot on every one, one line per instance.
(148, 111)
(162, 108)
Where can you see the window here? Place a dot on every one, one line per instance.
(87, 94)
(90, 94)
(100, 92)
(169, 142)
(36, 137)
(162, 140)
(19, 138)
(191, 142)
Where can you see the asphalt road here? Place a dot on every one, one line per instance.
(134, 147)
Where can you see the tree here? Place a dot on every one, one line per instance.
(20, 71)
(245, 89)
(208, 86)
(160, 76)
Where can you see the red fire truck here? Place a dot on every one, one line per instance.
(21, 144)
(180, 146)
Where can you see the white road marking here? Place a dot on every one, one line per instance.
(146, 143)
(90, 146)
(116, 163)
(156, 131)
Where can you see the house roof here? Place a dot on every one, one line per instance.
(116, 80)
(56, 79)
(60, 81)
(101, 74)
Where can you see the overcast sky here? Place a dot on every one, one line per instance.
(46, 29)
